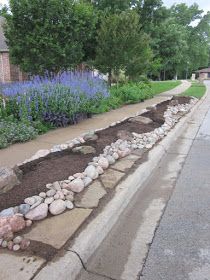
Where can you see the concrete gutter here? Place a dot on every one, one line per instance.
(69, 266)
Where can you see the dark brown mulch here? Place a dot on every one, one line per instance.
(59, 166)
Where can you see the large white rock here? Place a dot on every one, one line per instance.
(103, 162)
(38, 213)
(91, 172)
(57, 207)
(76, 185)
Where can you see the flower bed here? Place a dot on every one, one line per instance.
(88, 157)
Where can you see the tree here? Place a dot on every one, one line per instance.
(121, 44)
(110, 6)
(48, 35)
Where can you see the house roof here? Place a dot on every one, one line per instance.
(3, 45)
(205, 70)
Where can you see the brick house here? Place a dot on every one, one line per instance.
(8, 71)
(204, 74)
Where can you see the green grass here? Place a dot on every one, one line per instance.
(197, 90)
(159, 87)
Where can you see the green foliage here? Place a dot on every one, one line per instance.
(197, 90)
(12, 132)
(122, 45)
(49, 35)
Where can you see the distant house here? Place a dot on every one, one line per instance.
(204, 74)
(8, 71)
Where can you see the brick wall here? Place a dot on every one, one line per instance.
(9, 72)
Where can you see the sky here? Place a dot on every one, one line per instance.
(203, 4)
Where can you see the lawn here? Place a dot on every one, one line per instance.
(158, 87)
(197, 90)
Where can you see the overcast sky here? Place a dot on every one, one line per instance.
(204, 4)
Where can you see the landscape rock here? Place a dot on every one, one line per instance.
(38, 213)
(110, 159)
(28, 223)
(141, 119)
(76, 185)
(16, 247)
(42, 195)
(48, 200)
(30, 200)
(103, 162)
(51, 193)
(4, 244)
(8, 212)
(17, 239)
(99, 170)
(69, 204)
(84, 150)
(24, 244)
(91, 172)
(16, 222)
(87, 181)
(56, 186)
(10, 245)
(90, 136)
(8, 179)
(70, 197)
(57, 207)
(24, 208)
(42, 153)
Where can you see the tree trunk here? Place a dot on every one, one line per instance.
(110, 77)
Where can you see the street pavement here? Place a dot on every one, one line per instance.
(164, 234)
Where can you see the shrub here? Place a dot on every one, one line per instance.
(132, 92)
(12, 132)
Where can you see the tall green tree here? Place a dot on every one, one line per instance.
(122, 45)
(49, 35)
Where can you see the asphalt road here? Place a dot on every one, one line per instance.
(164, 234)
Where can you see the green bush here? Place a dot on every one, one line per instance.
(132, 92)
(13, 132)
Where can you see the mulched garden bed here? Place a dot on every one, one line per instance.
(60, 165)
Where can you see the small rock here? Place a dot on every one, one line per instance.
(115, 155)
(103, 162)
(69, 204)
(38, 202)
(91, 172)
(79, 175)
(141, 119)
(61, 195)
(42, 194)
(56, 196)
(24, 244)
(70, 196)
(49, 186)
(42, 153)
(65, 191)
(56, 186)
(99, 170)
(28, 223)
(87, 181)
(51, 193)
(7, 212)
(84, 150)
(57, 207)
(30, 200)
(10, 245)
(110, 159)
(77, 185)
(124, 153)
(4, 244)
(16, 247)
(48, 200)
(91, 136)
(17, 239)
(38, 213)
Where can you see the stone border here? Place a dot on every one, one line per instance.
(70, 265)
(60, 195)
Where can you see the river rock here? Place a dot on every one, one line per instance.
(56, 186)
(42, 194)
(103, 162)
(17, 239)
(70, 196)
(38, 213)
(99, 170)
(123, 153)
(41, 153)
(51, 193)
(91, 172)
(24, 244)
(61, 195)
(84, 150)
(4, 244)
(8, 212)
(28, 223)
(30, 200)
(79, 175)
(57, 207)
(69, 204)
(76, 185)
(65, 191)
(10, 245)
(48, 200)
(24, 209)
(87, 181)
(115, 155)
(90, 136)
(16, 247)
(110, 159)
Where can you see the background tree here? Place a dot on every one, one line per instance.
(121, 44)
(49, 35)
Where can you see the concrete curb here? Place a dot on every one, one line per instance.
(70, 265)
